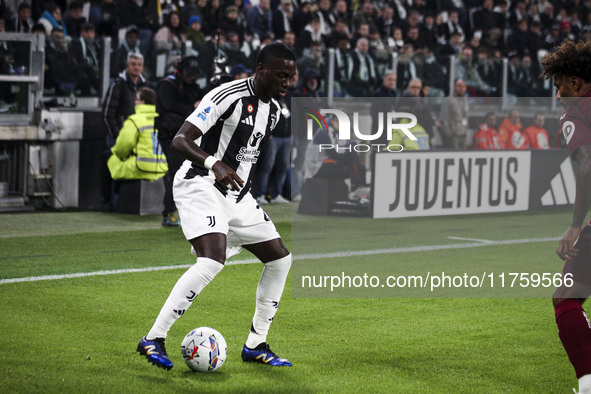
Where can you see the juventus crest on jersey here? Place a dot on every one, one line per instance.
(234, 123)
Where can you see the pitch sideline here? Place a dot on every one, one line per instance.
(428, 248)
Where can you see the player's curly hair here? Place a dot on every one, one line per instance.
(568, 59)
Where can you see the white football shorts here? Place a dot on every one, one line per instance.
(203, 209)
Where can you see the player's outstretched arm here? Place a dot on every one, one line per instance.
(582, 203)
(184, 144)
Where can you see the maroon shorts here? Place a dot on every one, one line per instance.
(580, 265)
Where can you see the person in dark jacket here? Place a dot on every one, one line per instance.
(177, 96)
(118, 104)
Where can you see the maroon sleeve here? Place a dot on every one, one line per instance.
(575, 124)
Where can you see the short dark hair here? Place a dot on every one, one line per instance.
(570, 60)
(273, 51)
(87, 27)
(147, 95)
(23, 6)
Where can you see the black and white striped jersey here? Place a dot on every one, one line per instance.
(234, 123)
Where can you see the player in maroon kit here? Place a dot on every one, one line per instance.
(570, 65)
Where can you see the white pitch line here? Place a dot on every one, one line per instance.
(425, 248)
(471, 239)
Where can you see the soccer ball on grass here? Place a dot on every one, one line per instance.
(204, 349)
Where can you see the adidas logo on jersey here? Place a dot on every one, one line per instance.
(248, 120)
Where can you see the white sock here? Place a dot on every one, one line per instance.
(585, 384)
(185, 291)
(269, 293)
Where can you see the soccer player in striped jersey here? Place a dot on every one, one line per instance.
(221, 141)
(570, 65)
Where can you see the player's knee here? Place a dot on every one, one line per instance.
(281, 265)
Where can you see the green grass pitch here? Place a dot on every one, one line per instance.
(79, 334)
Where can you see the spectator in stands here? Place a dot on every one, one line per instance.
(195, 8)
(518, 41)
(453, 26)
(413, 20)
(466, 71)
(547, 17)
(335, 164)
(339, 32)
(364, 15)
(378, 50)
(141, 14)
(289, 40)
(487, 137)
(283, 19)
(386, 23)
(413, 38)
(452, 48)
(260, 19)
(178, 96)
(430, 33)
(52, 18)
(387, 91)
(514, 74)
(312, 57)
(310, 34)
(104, 17)
(406, 69)
(241, 18)
(536, 134)
(74, 19)
(22, 22)
(553, 38)
(326, 16)
(343, 13)
(396, 42)
(361, 31)
(531, 85)
(341, 66)
(120, 56)
(233, 50)
(535, 40)
(59, 78)
(454, 118)
(435, 74)
(238, 71)
(137, 153)
(361, 75)
(489, 70)
(194, 34)
(518, 13)
(214, 15)
(86, 54)
(566, 31)
(170, 37)
(301, 17)
(489, 23)
(511, 128)
(309, 84)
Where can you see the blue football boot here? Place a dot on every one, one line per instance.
(155, 352)
(263, 354)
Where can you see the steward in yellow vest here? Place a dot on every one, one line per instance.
(137, 153)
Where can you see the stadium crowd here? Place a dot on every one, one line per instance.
(383, 48)
(422, 34)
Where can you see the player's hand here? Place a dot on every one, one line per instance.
(566, 246)
(227, 177)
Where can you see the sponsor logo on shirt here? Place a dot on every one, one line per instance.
(203, 114)
(246, 155)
